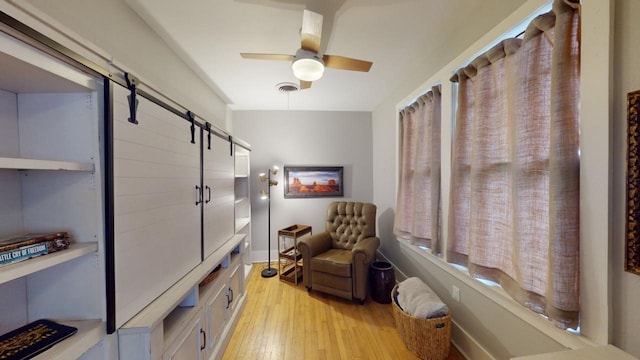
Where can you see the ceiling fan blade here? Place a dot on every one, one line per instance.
(345, 63)
(267, 56)
(305, 84)
(311, 31)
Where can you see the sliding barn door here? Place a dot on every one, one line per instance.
(156, 202)
(218, 179)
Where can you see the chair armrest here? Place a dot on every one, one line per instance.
(314, 244)
(365, 250)
(309, 247)
(363, 253)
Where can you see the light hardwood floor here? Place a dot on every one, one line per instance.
(283, 321)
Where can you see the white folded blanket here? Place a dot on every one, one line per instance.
(417, 299)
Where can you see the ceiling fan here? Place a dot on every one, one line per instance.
(307, 64)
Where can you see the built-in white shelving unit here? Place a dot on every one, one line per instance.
(175, 207)
(50, 181)
(243, 200)
(191, 320)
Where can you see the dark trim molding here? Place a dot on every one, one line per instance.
(109, 239)
(632, 254)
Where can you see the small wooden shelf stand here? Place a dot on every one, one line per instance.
(289, 258)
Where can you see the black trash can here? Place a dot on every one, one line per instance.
(382, 280)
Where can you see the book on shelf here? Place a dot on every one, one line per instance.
(29, 239)
(32, 339)
(31, 250)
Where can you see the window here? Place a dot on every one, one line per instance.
(515, 167)
(418, 207)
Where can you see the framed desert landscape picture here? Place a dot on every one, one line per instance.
(313, 181)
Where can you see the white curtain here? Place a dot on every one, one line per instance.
(515, 167)
(418, 208)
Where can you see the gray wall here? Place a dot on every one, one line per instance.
(303, 138)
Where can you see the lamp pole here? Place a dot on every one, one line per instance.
(269, 271)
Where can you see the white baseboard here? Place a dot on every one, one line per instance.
(260, 256)
(467, 345)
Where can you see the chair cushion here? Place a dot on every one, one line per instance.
(333, 261)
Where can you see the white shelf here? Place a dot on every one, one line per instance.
(27, 70)
(34, 164)
(23, 268)
(90, 332)
(242, 164)
(241, 176)
(241, 223)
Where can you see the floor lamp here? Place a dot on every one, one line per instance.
(266, 195)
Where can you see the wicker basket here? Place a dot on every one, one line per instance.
(427, 338)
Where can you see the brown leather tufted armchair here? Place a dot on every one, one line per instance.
(337, 261)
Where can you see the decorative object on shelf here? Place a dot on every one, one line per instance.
(32, 339)
(266, 195)
(632, 255)
(313, 181)
(28, 246)
(289, 258)
(212, 276)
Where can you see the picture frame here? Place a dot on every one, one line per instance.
(313, 181)
(632, 255)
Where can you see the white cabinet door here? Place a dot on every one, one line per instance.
(216, 308)
(189, 344)
(156, 205)
(219, 195)
(235, 287)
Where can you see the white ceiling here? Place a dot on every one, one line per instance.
(210, 35)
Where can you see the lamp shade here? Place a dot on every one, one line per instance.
(307, 66)
(308, 69)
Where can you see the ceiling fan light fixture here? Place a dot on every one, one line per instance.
(307, 66)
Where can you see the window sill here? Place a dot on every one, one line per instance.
(498, 296)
